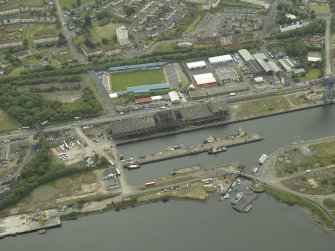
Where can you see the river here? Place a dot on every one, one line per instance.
(182, 225)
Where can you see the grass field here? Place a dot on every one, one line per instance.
(107, 31)
(163, 47)
(16, 3)
(311, 74)
(319, 9)
(120, 81)
(7, 123)
(194, 24)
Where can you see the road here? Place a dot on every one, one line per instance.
(108, 118)
(108, 105)
(328, 67)
(99, 149)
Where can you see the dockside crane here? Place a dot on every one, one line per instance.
(329, 82)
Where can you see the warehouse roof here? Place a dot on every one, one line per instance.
(204, 78)
(219, 59)
(142, 100)
(260, 55)
(264, 65)
(274, 66)
(245, 54)
(174, 97)
(197, 64)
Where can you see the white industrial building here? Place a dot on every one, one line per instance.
(314, 59)
(122, 35)
(196, 65)
(204, 79)
(220, 59)
(174, 97)
(274, 67)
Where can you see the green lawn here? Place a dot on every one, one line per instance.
(107, 31)
(68, 4)
(91, 85)
(194, 24)
(120, 81)
(319, 9)
(311, 74)
(7, 123)
(163, 47)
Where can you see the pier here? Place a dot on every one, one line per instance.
(190, 150)
(246, 201)
(26, 223)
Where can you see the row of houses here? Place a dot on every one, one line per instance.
(28, 20)
(26, 8)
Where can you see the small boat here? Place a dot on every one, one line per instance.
(262, 159)
(248, 208)
(41, 231)
(226, 196)
(133, 166)
(237, 198)
(254, 170)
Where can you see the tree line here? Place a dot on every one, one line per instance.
(29, 108)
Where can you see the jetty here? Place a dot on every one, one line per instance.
(190, 150)
(245, 202)
(27, 223)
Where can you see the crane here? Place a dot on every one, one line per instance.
(329, 82)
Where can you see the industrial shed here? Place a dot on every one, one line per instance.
(147, 88)
(204, 79)
(245, 55)
(196, 65)
(220, 59)
(174, 97)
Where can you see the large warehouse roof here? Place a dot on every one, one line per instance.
(245, 54)
(174, 97)
(197, 64)
(264, 65)
(205, 78)
(220, 59)
(274, 66)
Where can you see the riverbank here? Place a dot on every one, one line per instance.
(317, 211)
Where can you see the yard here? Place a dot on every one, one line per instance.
(310, 75)
(319, 9)
(120, 81)
(7, 122)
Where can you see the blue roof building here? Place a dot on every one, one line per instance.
(147, 88)
(136, 67)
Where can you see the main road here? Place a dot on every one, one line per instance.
(108, 105)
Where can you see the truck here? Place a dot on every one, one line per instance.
(112, 162)
(232, 94)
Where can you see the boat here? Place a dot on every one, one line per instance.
(248, 208)
(237, 198)
(41, 231)
(217, 149)
(254, 170)
(262, 159)
(133, 166)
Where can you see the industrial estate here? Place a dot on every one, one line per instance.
(79, 80)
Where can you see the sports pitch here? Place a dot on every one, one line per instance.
(120, 81)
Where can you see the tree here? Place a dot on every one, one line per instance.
(87, 21)
(25, 43)
(104, 40)
(78, 2)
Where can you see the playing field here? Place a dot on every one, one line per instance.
(7, 123)
(319, 9)
(120, 81)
